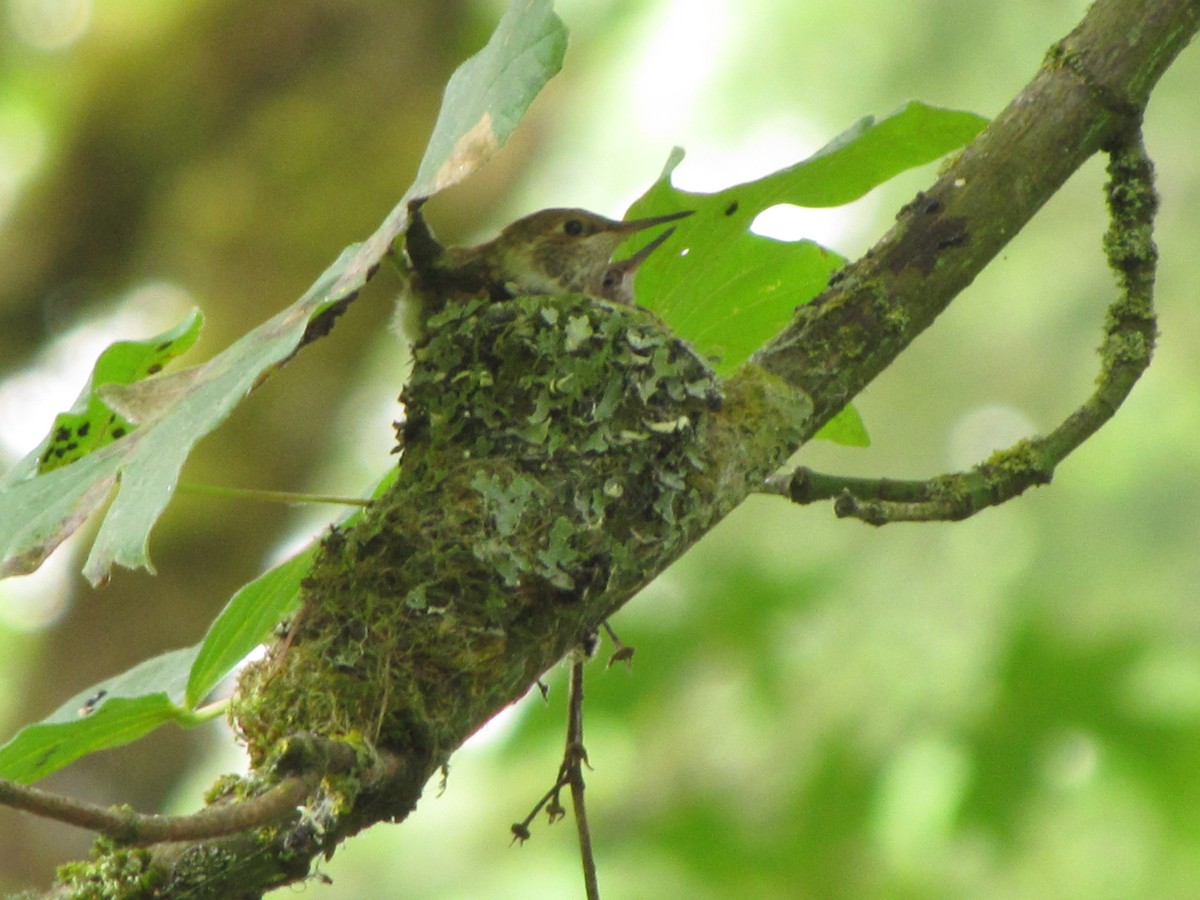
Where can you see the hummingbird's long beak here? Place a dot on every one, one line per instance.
(634, 225)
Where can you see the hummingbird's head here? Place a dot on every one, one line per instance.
(560, 251)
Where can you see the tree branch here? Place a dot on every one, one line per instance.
(1129, 334)
(1093, 85)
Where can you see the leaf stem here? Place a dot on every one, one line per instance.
(290, 497)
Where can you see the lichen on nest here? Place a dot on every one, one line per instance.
(549, 451)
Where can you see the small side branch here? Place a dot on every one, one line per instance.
(303, 760)
(1129, 333)
(125, 826)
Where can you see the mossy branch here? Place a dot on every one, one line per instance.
(1090, 91)
(1129, 333)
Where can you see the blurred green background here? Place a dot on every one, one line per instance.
(1003, 708)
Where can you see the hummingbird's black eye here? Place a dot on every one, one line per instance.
(573, 227)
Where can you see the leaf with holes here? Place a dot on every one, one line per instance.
(728, 290)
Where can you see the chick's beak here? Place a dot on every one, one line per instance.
(630, 264)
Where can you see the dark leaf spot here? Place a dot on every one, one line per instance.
(89, 705)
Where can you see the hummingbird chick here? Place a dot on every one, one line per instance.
(616, 283)
(554, 251)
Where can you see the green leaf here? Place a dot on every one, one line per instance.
(168, 688)
(483, 103)
(91, 423)
(37, 514)
(172, 413)
(486, 97)
(728, 290)
(108, 714)
(846, 428)
(246, 621)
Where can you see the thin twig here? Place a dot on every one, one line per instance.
(623, 652)
(574, 756)
(570, 774)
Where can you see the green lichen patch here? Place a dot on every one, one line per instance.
(112, 873)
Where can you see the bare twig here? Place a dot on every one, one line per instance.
(570, 774)
(623, 652)
(574, 758)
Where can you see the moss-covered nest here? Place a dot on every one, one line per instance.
(549, 450)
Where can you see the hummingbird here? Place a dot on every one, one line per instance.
(554, 251)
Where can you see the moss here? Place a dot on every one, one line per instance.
(1130, 348)
(112, 873)
(225, 786)
(1017, 462)
(949, 490)
(549, 458)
